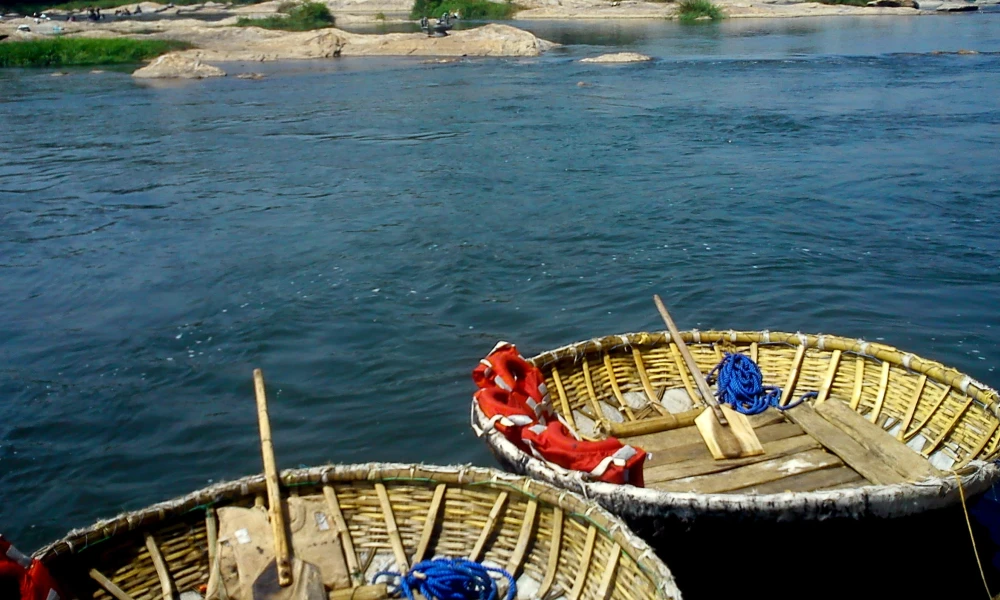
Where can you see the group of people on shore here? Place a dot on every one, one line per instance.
(125, 12)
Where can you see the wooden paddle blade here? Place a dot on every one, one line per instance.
(737, 440)
(740, 425)
(307, 583)
(724, 437)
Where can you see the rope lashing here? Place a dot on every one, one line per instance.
(451, 579)
(741, 385)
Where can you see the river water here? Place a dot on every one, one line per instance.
(364, 230)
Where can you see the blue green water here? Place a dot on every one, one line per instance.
(365, 230)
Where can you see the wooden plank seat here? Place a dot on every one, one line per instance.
(806, 448)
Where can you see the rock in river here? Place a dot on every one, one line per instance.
(177, 66)
(618, 57)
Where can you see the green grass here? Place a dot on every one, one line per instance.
(65, 52)
(691, 10)
(301, 17)
(468, 9)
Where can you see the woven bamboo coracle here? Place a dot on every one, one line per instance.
(386, 516)
(924, 428)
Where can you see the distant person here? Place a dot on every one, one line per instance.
(138, 10)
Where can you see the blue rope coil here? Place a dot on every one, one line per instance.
(740, 384)
(450, 579)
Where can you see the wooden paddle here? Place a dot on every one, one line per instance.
(285, 577)
(727, 433)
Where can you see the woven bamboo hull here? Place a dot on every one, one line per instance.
(947, 419)
(548, 538)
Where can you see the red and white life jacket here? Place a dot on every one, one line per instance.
(507, 412)
(506, 369)
(33, 579)
(513, 396)
(606, 460)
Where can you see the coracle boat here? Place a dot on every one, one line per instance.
(354, 521)
(880, 434)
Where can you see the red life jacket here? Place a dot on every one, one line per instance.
(606, 460)
(507, 411)
(33, 579)
(506, 369)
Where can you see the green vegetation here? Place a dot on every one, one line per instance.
(65, 52)
(692, 10)
(467, 9)
(380, 16)
(298, 17)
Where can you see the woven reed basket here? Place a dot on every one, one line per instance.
(386, 516)
(947, 417)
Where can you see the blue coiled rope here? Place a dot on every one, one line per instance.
(451, 579)
(740, 384)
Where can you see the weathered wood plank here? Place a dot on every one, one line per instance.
(808, 481)
(655, 424)
(843, 445)
(688, 435)
(880, 445)
(708, 465)
(697, 449)
(753, 474)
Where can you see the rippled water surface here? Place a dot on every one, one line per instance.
(365, 230)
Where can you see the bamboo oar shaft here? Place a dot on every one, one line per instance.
(281, 553)
(699, 379)
(109, 585)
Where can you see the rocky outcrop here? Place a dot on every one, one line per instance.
(488, 40)
(618, 57)
(255, 44)
(177, 66)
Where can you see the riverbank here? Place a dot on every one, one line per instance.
(211, 30)
(354, 11)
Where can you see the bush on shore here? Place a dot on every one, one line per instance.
(301, 17)
(68, 52)
(468, 9)
(691, 10)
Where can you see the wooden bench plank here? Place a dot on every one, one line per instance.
(843, 445)
(754, 474)
(689, 435)
(808, 481)
(882, 446)
(707, 464)
(698, 449)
